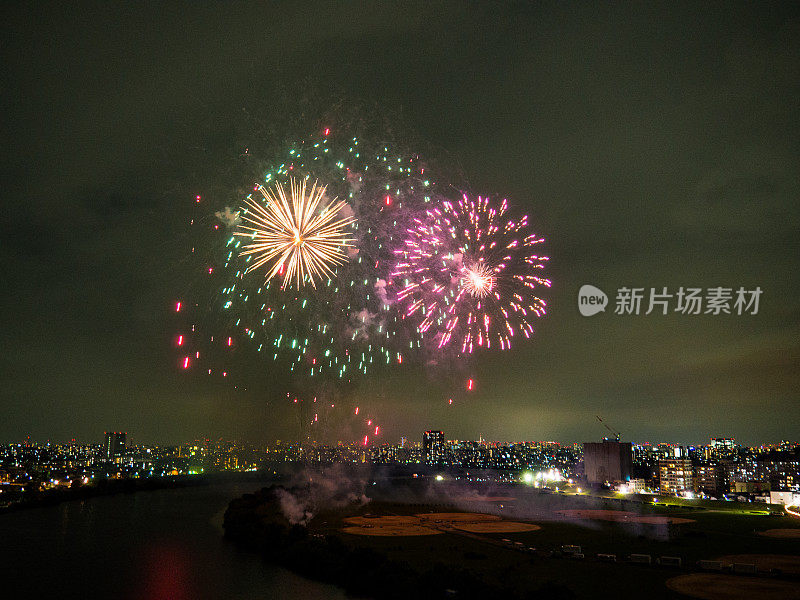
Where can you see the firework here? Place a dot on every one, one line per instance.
(259, 325)
(393, 268)
(297, 235)
(469, 273)
(344, 324)
(478, 280)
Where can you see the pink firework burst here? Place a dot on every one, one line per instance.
(470, 275)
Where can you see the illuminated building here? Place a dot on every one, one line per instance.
(608, 461)
(115, 444)
(785, 498)
(750, 487)
(781, 469)
(742, 477)
(709, 479)
(675, 475)
(383, 454)
(637, 486)
(433, 448)
(722, 448)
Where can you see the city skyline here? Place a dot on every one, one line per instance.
(712, 470)
(130, 440)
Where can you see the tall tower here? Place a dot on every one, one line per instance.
(115, 444)
(433, 447)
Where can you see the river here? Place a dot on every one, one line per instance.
(161, 545)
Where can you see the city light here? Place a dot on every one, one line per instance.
(479, 462)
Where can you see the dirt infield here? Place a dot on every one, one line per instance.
(781, 533)
(730, 587)
(785, 562)
(391, 530)
(659, 520)
(620, 516)
(431, 524)
(496, 527)
(458, 517)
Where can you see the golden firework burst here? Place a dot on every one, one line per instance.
(298, 235)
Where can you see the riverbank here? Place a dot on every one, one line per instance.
(110, 487)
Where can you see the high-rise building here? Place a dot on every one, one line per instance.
(780, 469)
(383, 454)
(608, 461)
(675, 475)
(115, 444)
(722, 448)
(742, 471)
(709, 478)
(433, 449)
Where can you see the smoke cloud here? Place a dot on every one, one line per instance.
(314, 491)
(380, 290)
(228, 216)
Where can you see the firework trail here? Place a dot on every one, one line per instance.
(469, 275)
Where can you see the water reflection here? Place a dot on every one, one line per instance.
(157, 545)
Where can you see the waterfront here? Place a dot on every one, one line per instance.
(149, 545)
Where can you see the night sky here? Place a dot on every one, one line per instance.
(651, 146)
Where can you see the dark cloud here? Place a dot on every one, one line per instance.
(653, 146)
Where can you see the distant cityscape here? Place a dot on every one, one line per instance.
(720, 470)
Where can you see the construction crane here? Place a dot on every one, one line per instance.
(614, 431)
